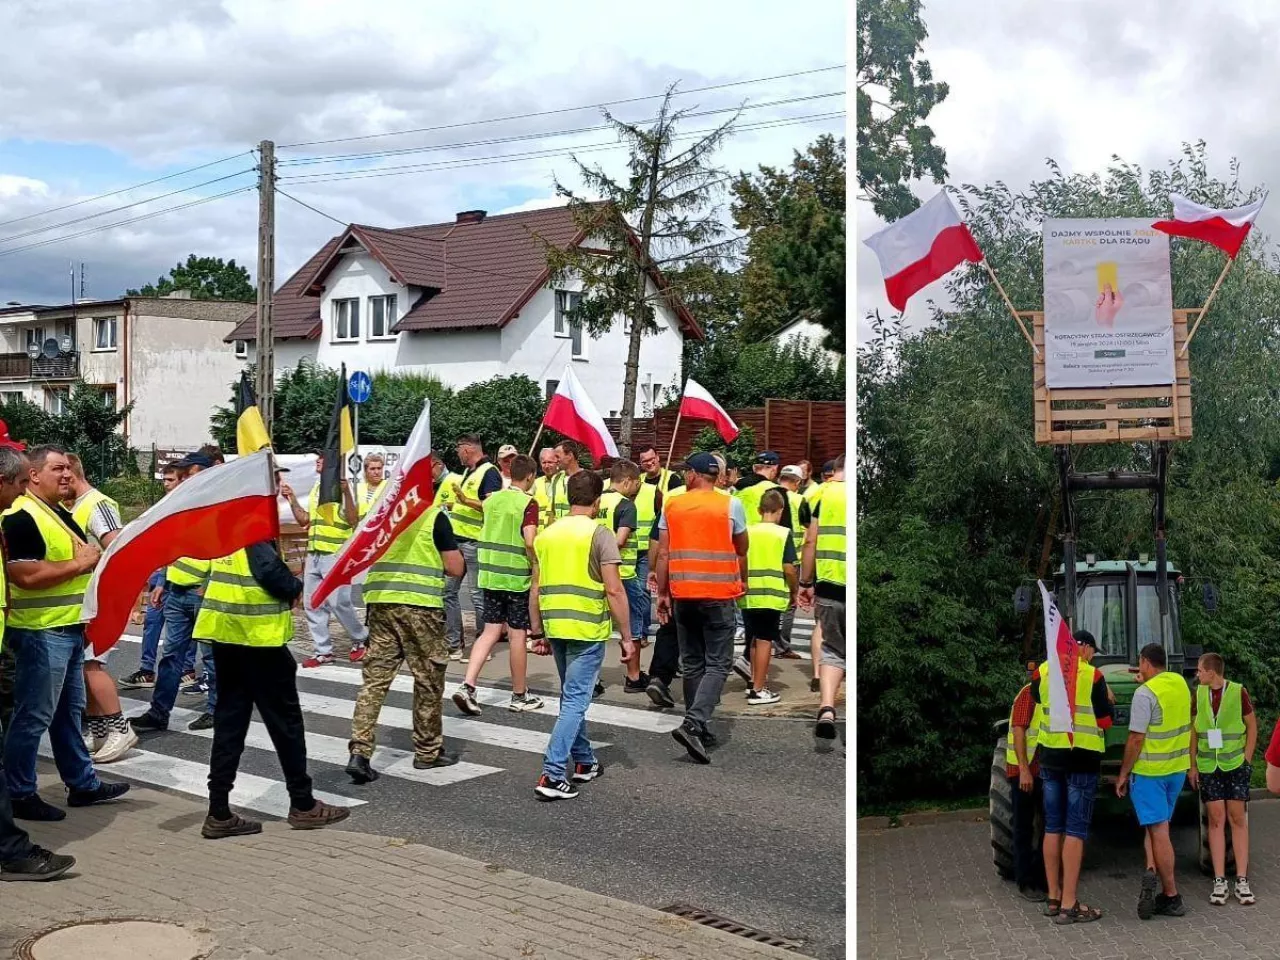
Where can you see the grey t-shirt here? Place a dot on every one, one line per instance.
(1144, 711)
(604, 549)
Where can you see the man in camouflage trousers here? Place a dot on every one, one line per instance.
(404, 593)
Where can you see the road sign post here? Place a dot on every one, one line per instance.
(359, 388)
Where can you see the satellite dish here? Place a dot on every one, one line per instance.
(66, 343)
(50, 350)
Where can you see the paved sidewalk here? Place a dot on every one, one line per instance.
(328, 895)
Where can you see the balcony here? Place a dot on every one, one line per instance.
(19, 366)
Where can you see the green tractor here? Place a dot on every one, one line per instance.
(1125, 605)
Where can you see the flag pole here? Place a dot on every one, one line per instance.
(1205, 309)
(674, 433)
(536, 437)
(1012, 309)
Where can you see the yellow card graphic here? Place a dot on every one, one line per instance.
(1107, 276)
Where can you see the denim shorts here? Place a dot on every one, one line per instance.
(1068, 801)
(1155, 797)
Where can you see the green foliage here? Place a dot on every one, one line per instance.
(206, 278)
(90, 428)
(741, 452)
(956, 501)
(133, 491)
(795, 225)
(896, 93)
(501, 410)
(746, 376)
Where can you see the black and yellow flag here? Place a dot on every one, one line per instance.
(251, 432)
(339, 442)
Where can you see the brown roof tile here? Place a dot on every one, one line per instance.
(294, 315)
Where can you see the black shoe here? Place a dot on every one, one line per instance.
(659, 693)
(444, 760)
(548, 789)
(148, 723)
(639, 685)
(99, 794)
(34, 808)
(814, 685)
(39, 864)
(359, 770)
(586, 772)
(202, 722)
(233, 826)
(688, 736)
(598, 692)
(1147, 895)
(1033, 894)
(709, 739)
(1170, 906)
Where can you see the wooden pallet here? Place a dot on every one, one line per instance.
(1111, 414)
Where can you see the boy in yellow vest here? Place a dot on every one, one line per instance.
(618, 511)
(771, 588)
(1157, 756)
(1026, 794)
(1226, 733)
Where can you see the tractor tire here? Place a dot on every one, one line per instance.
(1206, 859)
(1000, 814)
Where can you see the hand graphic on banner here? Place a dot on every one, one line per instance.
(1109, 304)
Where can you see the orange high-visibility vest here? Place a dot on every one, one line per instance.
(703, 563)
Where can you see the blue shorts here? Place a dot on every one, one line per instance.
(1155, 797)
(1068, 802)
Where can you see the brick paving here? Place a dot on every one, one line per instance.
(330, 895)
(931, 892)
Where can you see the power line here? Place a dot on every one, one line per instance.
(402, 151)
(548, 113)
(113, 193)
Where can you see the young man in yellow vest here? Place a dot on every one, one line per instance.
(771, 589)
(506, 570)
(822, 589)
(800, 515)
(480, 480)
(620, 512)
(1025, 793)
(48, 565)
(576, 591)
(666, 481)
(1157, 756)
(325, 538)
(405, 592)
(1226, 734)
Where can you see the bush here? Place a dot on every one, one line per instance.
(90, 428)
(134, 491)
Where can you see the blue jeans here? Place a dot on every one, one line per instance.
(1068, 802)
(181, 607)
(48, 696)
(641, 609)
(578, 662)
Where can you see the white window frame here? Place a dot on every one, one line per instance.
(566, 302)
(36, 334)
(242, 349)
(390, 305)
(354, 304)
(56, 400)
(113, 340)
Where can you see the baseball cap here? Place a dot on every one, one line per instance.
(197, 459)
(1085, 639)
(507, 450)
(792, 471)
(703, 463)
(768, 458)
(829, 467)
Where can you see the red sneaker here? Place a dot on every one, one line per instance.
(318, 661)
(357, 653)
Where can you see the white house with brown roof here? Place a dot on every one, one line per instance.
(465, 301)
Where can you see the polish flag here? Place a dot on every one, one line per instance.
(698, 404)
(572, 413)
(1225, 229)
(211, 515)
(405, 496)
(1064, 662)
(922, 247)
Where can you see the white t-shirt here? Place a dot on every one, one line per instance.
(103, 519)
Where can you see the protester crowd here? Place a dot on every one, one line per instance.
(556, 556)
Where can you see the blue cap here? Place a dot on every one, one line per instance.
(197, 459)
(703, 463)
(768, 458)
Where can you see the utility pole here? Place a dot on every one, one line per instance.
(266, 279)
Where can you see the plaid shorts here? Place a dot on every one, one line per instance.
(1226, 784)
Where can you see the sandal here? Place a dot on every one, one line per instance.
(825, 728)
(1052, 908)
(1080, 913)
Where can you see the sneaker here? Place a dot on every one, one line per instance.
(1243, 893)
(117, 744)
(360, 771)
(687, 735)
(1220, 890)
(233, 826)
(148, 723)
(198, 689)
(1170, 906)
(39, 864)
(456, 655)
(639, 685)
(319, 660)
(139, 679)
(742, 668)
(91, 743)
(521, 702)
(1147, 896)
(321, 815)
(586, 772)
(659, 693)
(709, 739)
(35, 808)
(357, 653)
(758, 698)
(202, 722)
(189, 677)
(548, 789)
(465, 699)
(598, 692)
(442, 760)
(102, 793)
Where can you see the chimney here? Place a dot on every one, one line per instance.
(471, 216)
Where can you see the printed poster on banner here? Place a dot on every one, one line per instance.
(1108, 304)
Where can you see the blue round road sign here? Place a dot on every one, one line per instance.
(359, 387)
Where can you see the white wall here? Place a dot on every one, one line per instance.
(808, 333)
(360, 276)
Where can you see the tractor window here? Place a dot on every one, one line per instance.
(1149, 620)
(1100, 610)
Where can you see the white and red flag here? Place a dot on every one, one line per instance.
(211, 515)
(572, 413)
(1225, 229)
(406, 496)
(698, 404)
(922, 247)
(1064, 663)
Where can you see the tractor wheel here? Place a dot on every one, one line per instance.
(1000, 814)
(1206, 859)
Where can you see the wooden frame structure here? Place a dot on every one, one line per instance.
(1110, 414)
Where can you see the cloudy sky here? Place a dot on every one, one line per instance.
(100, 96)
(1088, 79)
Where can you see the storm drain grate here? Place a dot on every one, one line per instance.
(717, 922)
